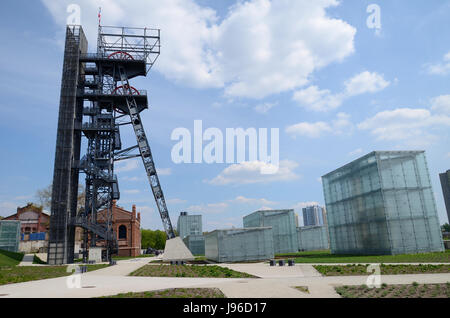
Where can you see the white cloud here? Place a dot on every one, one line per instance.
(365, 82)
(355, 152)
(312, 130)
(249, 172)
(340, 125)
(127, 165)
(164, 171)
(132, 191)
(260, 48)
(253, 201)
(210, 208)
(404, 124)
(8, 208)
(442, 68)
(264, 108)
(441, 104)
(315, 99)
(176, 201)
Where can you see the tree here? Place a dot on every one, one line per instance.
(44, 197)
(445, 227)
(154, 239)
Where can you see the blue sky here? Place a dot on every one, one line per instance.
(335, 88)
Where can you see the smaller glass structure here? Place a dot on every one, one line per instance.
(382, 203)
(9, 235)
(238, 245)
(313, 238)
(189, 225)
(195, 243)
(283, 228)
(445, 183)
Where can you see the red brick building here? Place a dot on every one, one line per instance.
(32, 219)
(127, 226)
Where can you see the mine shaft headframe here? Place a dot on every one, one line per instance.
(129, 43)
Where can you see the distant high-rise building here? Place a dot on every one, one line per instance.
(189, 225)
(382, 203)
(445, 183)
(313, 215)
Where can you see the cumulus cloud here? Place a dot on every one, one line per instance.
(404, 124)
(312, 130)
(441, 104)
(264, 107)
(176, 201)
(260, 48)
(341, 125)
(441, 68)
(164, 171)
(365, 82)
(355, 152)
(127, 165)
(210, 208)
(253, 201)
(249, 172)
(315, 99)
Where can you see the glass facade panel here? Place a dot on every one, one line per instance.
(9, 235)
(189, 225)
(196, 244)
(283, 227)
(313, 238)
(386, 207)
(238, 245)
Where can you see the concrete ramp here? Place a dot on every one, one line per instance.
(176, 250)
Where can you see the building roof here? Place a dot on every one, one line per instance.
(376, 152)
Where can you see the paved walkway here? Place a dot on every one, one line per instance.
(27, 260)
(274, 282)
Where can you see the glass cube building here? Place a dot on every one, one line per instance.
(195, 243)
(445, 183)
(382, 203)
(283, 228)
(9, 235)
(189, 225)
(239, 245)
(313, 238)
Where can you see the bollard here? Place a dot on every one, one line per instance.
(281, 262)
(272, 262)
(291, 262)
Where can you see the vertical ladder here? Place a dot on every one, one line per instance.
(146, 154)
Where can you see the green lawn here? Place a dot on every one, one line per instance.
(174, 293)
(189, 271)
(8, 259)
(327, 257)
(353, 269)
(413, 290)
(20, 274)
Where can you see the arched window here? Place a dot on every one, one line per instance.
(122, 232)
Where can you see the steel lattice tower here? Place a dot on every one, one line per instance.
(102, 101)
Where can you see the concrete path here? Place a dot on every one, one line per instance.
(27, 260)
(274, 282)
